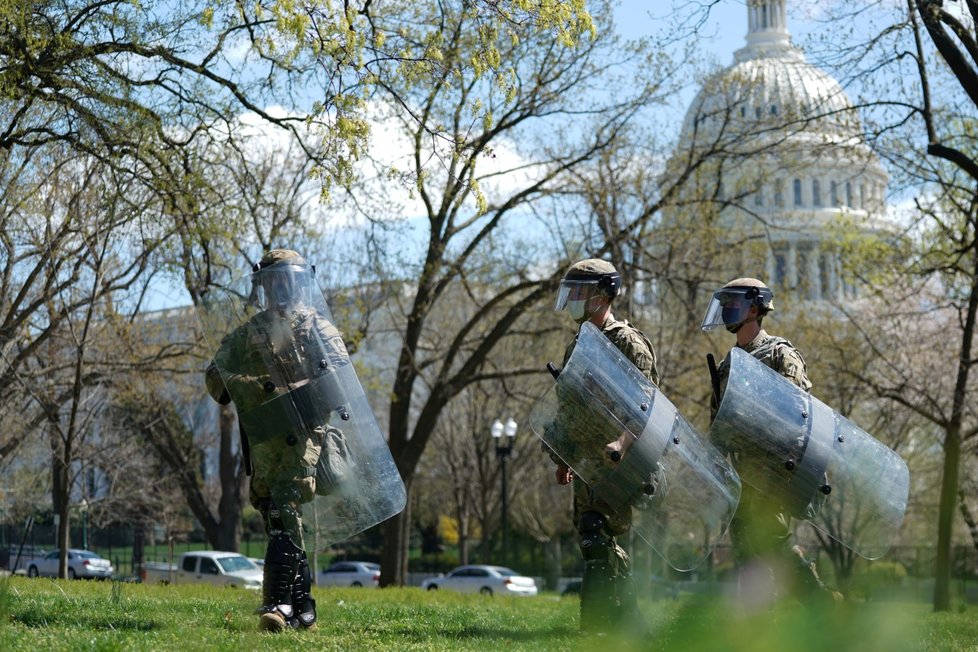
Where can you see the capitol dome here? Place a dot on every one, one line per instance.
(771, 85)
(772, 152)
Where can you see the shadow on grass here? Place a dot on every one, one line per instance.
(49, 619)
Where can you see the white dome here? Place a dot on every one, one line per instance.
(773, 151)
(770, 85)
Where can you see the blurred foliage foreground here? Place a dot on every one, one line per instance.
(65, 615)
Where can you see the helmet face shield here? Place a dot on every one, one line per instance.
(574, 294)
(282, 286)
(728, 307)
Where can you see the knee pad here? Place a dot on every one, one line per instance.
(596, 545)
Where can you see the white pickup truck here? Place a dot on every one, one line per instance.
(206, 567)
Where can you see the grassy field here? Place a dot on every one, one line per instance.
(44, 614)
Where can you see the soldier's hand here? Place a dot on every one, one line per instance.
(617, 448)
(564, 474)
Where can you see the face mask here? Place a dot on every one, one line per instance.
(576, 309)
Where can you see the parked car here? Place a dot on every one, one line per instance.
(20, 556)
(487, 580)
(81, 563)
(206, 567)
(350, 573)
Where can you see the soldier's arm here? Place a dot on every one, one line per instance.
(243, 386)
(215, 384)
(639, 351)
(793, 368)
(331, 342)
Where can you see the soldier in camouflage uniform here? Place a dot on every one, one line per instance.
(760, 530)
(607, 590)
(258, 362)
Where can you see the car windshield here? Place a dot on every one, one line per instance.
(87, 555)
(506, 572)
(371, 566)
(232, 564)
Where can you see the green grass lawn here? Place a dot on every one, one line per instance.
(43, 614)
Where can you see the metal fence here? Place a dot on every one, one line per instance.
(905, 573)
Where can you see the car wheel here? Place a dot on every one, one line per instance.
(485, 591)
(432, 587)
(71, 573)
(357, 584)
(32, 571)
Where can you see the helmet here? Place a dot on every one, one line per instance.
(281, 279)
(732, 302)
(583, 281)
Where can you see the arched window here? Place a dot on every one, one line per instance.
(816, 193)
(848, 193)
(774, 110)
(834, 193)
(797, 189)
(779, 192)
(862, 195)
(759, 196)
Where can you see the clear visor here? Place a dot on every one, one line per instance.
(281, 286)
(728, 307)
(576, 290)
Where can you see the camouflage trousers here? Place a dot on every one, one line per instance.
(762, 537)
(608, 597)
(284, 479)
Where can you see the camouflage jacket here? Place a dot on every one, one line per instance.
(581, 438)
(630, 341)
(777, 353)
(273, 353)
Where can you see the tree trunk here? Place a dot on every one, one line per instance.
(60, 493)
(227, 533)
(397, 535)
(946, 509)
(969, 518)
(552, 551)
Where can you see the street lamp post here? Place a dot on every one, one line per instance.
(83, 506)
(504, 435)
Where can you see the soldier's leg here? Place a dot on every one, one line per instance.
(624, 586)
(296, 487)
(282, 559)
(599, 596)
(303, 604)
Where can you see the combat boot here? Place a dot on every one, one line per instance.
(303, 604)
(282, 560)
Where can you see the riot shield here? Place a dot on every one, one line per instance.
(300, 405)
(677, 491)
(818, 464)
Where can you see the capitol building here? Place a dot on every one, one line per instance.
(772, 155)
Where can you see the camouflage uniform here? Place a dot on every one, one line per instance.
(760, 528)
(607, 591)
(263, 361)
(262, 366)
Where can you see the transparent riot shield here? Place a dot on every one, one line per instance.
(638, 456)
(818, 464)
(312, 435)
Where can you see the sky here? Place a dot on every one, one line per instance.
(722, 33)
